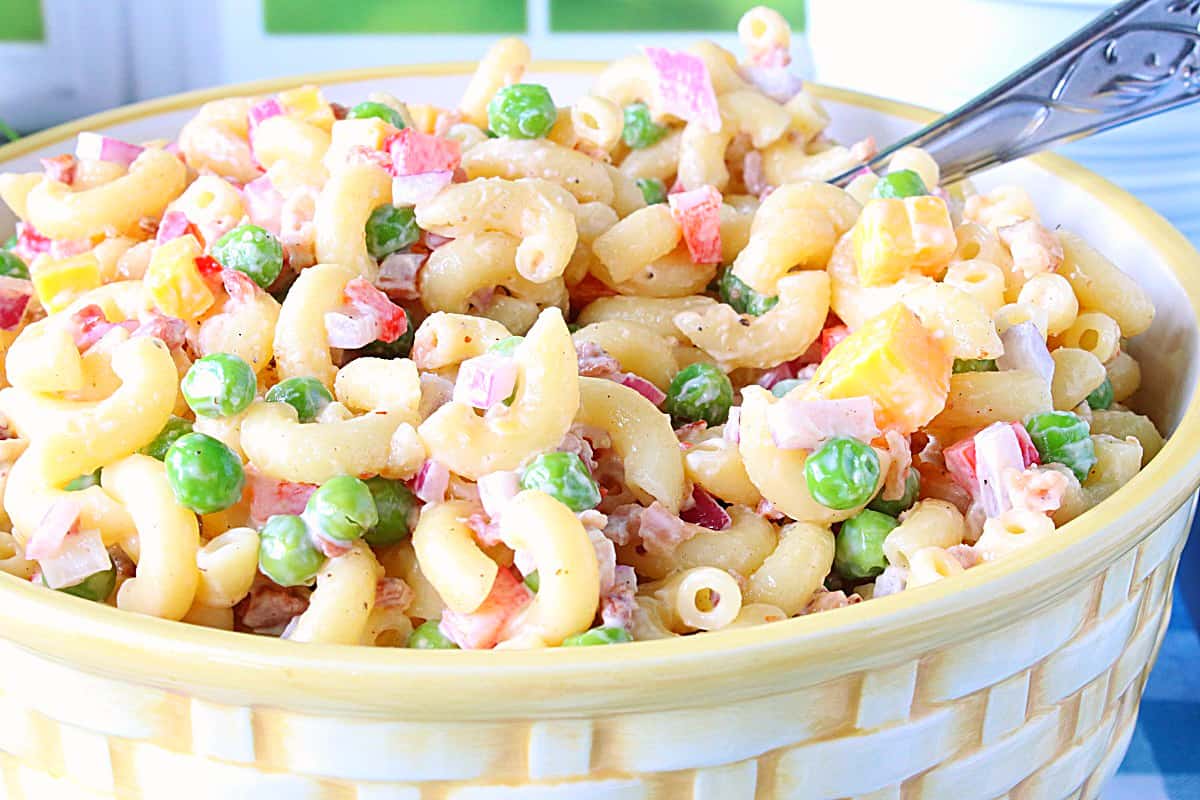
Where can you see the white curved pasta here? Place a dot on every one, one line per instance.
(341, 605)
(301, 344)
(340, 219)
(450, 559)
(227, 564)
(582, 176)
(701, 598)
(504, 63)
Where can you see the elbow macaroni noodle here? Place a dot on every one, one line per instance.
(565, 398)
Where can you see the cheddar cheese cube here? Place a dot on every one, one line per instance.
(894, 360)
(58, 283)
(308, 104)
(174, 283)
(897, 236)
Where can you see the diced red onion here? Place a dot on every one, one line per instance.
(350, 333)
(173, 225)
(408, 190)
(51, 533)
(15, 294)
(996, 451)
(496, 489)
(803, 424)
(1024, 348)
(432, 481)
(485, 380)
(643, 387)
(777, 373)
(732, 431)
(661, 531)
(264, 204)
(399, 274)
(263, 110)
(81, 556)
(777, 82)
(706, 512)
(97, 147)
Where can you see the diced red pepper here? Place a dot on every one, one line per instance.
(698, 213)
(830, 337)
(15, 295)
(368, 300)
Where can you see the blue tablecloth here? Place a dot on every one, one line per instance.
(1164, 756)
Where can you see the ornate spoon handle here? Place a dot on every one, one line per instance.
(1139, 58)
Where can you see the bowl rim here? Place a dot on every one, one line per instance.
(643, 676)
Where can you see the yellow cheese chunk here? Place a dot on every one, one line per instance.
(895, 237)
(174, 283)
(57, 283)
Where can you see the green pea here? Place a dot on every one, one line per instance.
(219, 385)
(307, 395)
(286, 553)
(564, 477)
(96, 587)
(786, 385)
(522, 111)
(974, 365)
(397, 349)
(428, 636)
(699, 392)
(859, 551)
(368, 109)
(507, 346)
(533, 581)
(654, 191)
(396, 507)
(390, 229)
(912, 488)
(175, 427)
(83, 482)
(640, 130)
(252, 250)
(1101, 397)
(901, 183)
(605, 634)
(342, 509)
(842, 473)
(11, 266)
(1063, 438)
(204, 474)
(744, 300)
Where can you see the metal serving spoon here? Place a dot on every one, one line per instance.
(1139, 58)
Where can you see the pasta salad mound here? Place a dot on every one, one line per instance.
(518, 374)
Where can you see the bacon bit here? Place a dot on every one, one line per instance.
(574, 442)
(173, 225)
(331, 548)
(30, 243)
(1035, 488)
(15, 295)
(269, 496)
(966, 555)
(685, 87)
(89, 325)
(171, 331)
(589, 289)
(698, 213)
(239, 286)
(1034, 249)
(399, 274)
(829, 601)
(414, 152)
(619, 603)
(339, 111)
(831, 338)
(433, 241)
(60, 168)
(767, 510)
(487, 532)
(705, 511)
(606, 558)
(661, 531)
(486, 626)
(61, 520)
(623, 523)
(269, 606)
(366, 300)
(595, 362)
(393, 593)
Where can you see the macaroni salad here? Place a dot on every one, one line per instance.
(514, 374)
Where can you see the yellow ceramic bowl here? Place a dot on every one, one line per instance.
(1019, 679)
